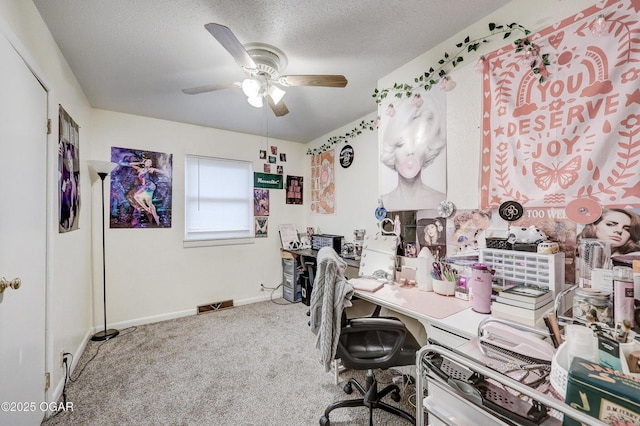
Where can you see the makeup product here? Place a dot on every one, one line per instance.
(555, 327)
(623, 299)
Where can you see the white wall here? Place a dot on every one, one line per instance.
(356, 186)
(464, 106)
(150, 276)
(356, 190)
(69, 263)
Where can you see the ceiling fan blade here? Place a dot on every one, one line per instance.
(278, 109)
(313, 80)
(229, 41)
(210, 88)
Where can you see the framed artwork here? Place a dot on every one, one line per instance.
(283, 157)
(272, 159)
(263, 154)
(418, 166)
(267, 168)
(260, 202)
(279, 170)
(261, 226)
(294, 190)
(68, 172)
(322, 183)
(141, 189)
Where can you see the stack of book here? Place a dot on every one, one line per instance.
(523, 304)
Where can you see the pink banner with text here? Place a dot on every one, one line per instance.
(577, 133)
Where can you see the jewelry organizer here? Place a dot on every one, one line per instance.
(521, 267)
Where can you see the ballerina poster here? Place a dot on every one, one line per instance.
(140, 189)
(575, 134)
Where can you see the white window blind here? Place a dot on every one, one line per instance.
(218, 198)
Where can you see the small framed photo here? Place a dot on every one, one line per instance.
(283, 157)
(272, 159)
(267, 168)
(410, 249)
(263, 154)
(279, 169)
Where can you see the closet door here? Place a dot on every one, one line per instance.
(23, 207)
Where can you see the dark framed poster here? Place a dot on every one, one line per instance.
(68, 172)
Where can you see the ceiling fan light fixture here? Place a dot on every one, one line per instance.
(251, 87)
(276, 93)
(255, 101)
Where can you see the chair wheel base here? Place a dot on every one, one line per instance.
(324, 421)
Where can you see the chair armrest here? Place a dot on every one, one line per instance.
(375, 323)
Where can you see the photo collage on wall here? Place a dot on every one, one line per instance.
(261, 196)
(272, 156)
(467, 230)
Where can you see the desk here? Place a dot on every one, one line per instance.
(352, 264)
(446, 319)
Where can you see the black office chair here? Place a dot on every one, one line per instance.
(373, 343)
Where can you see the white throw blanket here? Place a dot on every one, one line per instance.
(331, 294)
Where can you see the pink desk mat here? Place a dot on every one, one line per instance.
(424, 303)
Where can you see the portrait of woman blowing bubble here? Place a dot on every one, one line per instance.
(412, 139)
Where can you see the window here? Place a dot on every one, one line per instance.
(218, 201)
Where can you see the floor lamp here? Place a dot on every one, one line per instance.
(102, 169)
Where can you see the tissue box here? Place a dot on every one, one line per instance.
(606, 394)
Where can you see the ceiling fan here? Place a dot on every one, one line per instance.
(263, 63)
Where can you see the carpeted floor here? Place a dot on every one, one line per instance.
(248, 365)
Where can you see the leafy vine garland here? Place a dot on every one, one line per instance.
(447, 63)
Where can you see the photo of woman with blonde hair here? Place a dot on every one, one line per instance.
(413, 137)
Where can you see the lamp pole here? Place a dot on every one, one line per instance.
(106, 334)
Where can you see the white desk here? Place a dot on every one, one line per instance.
(448, 320)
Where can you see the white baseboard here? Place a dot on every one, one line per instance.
(57, 392)
(148, 320)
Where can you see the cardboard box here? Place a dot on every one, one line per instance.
(606, 394)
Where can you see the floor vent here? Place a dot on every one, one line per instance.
(215, 306)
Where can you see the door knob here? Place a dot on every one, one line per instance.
(14, 284)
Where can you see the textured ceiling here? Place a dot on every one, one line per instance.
(135, 56)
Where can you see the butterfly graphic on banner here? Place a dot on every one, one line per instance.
(565, 175)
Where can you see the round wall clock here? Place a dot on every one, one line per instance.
(346, 156)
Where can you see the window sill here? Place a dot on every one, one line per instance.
(217, 242)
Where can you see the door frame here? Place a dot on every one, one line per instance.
(50, 184)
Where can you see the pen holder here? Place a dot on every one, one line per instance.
(445, 288)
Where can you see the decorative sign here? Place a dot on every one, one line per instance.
(263, 180)
(511, 211)
(577, 134)
(583, 210)
(346, 156)
(323, 199)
